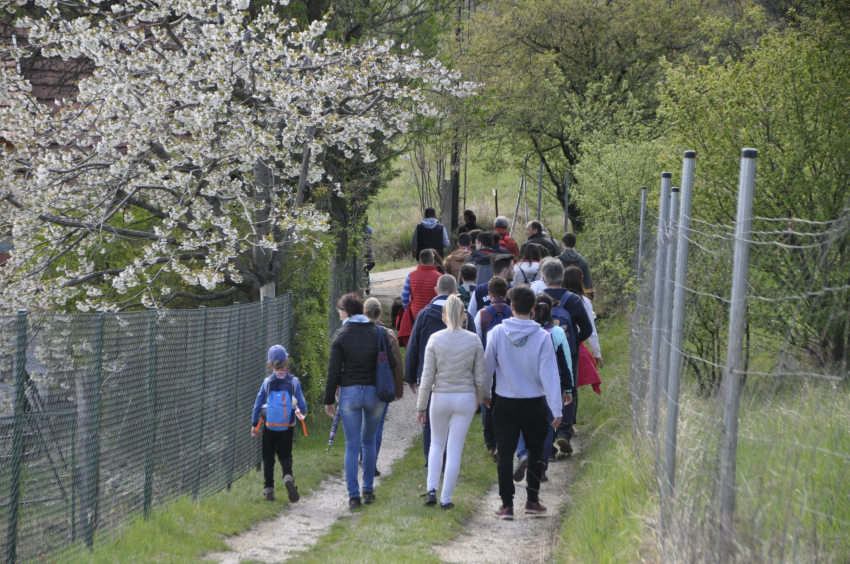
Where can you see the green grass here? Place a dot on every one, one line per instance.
(183, 531)
(398, 528)
(613, 488)
(395, 211)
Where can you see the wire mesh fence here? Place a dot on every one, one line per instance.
(751, 445)
(106, 416)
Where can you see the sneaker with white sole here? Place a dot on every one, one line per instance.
(534, 508)
(505, 513)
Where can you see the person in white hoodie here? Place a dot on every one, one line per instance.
(453, 378)
(522, 357)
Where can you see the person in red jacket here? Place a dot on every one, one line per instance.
(420, 288)
(500, 226)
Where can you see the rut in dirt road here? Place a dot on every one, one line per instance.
(301, 524)
(487, 540)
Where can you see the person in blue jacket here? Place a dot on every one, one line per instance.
(428, 322)
(281, 396)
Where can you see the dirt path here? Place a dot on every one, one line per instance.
(525, 539)
(313, 515)
(387, 286)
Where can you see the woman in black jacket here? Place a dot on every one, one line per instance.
(469, 222)
(352, 367)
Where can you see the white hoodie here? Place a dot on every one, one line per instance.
(522, 356)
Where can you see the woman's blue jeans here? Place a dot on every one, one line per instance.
(360, 414)
(379, 433)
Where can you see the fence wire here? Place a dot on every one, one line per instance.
(792, 487)
(106, 416)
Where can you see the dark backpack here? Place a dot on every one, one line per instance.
(464, 295)
(564, 320)
(496, 318)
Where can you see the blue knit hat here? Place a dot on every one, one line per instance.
(277, 356)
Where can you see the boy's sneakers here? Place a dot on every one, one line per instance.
(431, 498)
(534, 508)
(291, 488)
(268, 494)
(354, 503)
(368, 497)
(447, 506)
(506, 513)
(544, 478)
(519, 473)
(564, 445)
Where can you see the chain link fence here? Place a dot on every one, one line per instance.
(739, 385)
(106, 416)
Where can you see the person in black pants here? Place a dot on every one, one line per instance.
(521, 355)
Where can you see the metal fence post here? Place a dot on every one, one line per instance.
(678, 329)
(88, 436)
(196, 482)
(669, 265)
(734, 351)
(265, 303)
(17, 435)
(567, 202)
(640, 234)
(235, 358)
(150, 410)
(660, 259)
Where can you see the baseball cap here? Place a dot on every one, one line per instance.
(277, 355)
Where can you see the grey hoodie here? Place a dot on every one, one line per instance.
(522, 356)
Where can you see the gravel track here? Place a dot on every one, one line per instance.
(312, 516)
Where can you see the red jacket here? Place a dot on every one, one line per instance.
(423, 284)
(507, 242)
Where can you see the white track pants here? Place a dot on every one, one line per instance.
(450, 416)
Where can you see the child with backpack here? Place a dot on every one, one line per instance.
(468, 274)
(280, 402)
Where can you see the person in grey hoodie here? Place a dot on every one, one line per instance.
(571, 258)
(522, 357)
(429, 235)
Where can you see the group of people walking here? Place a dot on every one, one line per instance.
(495, 327)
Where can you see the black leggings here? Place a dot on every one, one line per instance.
(280, 443)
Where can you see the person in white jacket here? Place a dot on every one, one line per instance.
(522, 357)
(527, 270)
(453, 378)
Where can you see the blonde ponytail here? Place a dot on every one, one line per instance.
(455, 313)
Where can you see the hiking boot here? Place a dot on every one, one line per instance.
(534, 508)
(268, 494)
(447, 506)
(291, 488)
(519, 473)
(564, 445)
(354, 503)
(368, 497)
(431, 498)
(505, 513)
(544, 478)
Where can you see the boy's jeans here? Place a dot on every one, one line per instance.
(521, 450)
(279, 443)
(360, 414)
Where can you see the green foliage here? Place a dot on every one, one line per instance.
(307, 274)
(609, 198)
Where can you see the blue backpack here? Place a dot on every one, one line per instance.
(280, 405)
(564, 320)
(496, 318)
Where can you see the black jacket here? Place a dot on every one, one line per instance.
(481, 259)
(467, 227)
(547, 242)
(428, 322)
(353, 358)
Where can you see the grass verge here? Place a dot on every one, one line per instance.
(398, 528)
(184, 530)
(613, 487)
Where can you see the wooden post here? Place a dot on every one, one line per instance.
(496, 199)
